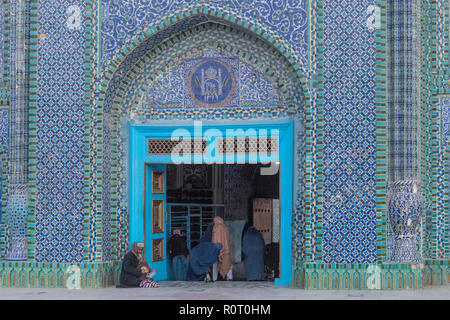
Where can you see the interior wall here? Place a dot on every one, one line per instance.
(238, 190)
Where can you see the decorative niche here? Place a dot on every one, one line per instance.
(157, 249)
(157, 216)
(157, 182)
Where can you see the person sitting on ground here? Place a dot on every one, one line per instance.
(147, 276)
(131, 272)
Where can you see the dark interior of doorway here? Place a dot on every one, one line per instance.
(238, 193)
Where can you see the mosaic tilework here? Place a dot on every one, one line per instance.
(402, 35)
(254, 86)
(17, 203)
(227, 15)
(55, 275)
(403, 115)
(358, 277)
(2, 40)
(151, 68)
(4, 129)
(426, 152)
(17, 210)
(107, 230)
(443, 171)
(441, 236)
(349, 227)
(222, 89)
(19, 93)
(4, 143)
(123, 19)
(140, 87)
(434, 156)
(445, 120)
(96, 214)
(436, 272)
(60, 126)
(4, 52)
(381, 129)
(309, 205)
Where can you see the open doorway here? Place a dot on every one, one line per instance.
(239, 194)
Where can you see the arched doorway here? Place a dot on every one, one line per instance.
(149, 85)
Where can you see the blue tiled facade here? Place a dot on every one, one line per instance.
(349, 227)
(369, 118)
(60, 127)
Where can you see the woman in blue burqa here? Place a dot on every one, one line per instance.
(253, 253)
(202, 257)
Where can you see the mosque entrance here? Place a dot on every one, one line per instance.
(238, 193)
(243, 190)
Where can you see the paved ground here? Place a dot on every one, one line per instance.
(221, 291)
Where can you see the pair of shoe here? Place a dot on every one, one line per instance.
(208, 278)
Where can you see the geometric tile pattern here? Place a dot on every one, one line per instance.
(1, 44)
(402, 35)
(18, 144)
(349, 230)
(122, 19)
(434, 147)
(17, 203)
(437, 58)
(4, 130)
(349, 226)
(60, 119)
(403, 108)
(445, 120)
(4, 51)
(427, 153)
(442, 227)
(333, 276)
(4, 135)
(56, 275)
(17, 211)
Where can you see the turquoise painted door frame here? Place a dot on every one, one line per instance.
(154, 235)
(283, 130)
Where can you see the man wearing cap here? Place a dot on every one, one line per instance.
(131, 273)
(178, 251)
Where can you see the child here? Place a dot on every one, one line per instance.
(147, 276)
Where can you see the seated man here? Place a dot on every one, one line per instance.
(134, 269)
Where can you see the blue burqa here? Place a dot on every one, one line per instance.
(253, 254)
(201, 259)
(207, 236)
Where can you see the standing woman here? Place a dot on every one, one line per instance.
(253, 246)
(220, 234)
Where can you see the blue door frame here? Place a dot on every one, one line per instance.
(139, 158)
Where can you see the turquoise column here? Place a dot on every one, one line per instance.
(16, 211)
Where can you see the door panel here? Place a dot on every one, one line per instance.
(155, 219)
